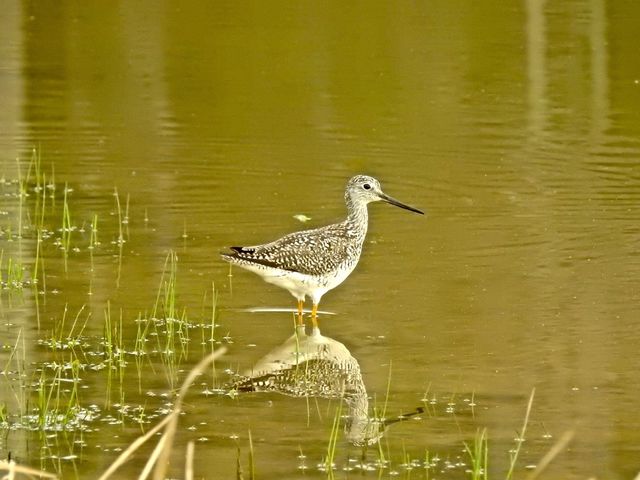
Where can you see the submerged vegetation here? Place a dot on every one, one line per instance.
(92, 374)
(54, 396)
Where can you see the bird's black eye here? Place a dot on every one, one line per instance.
(366, 186)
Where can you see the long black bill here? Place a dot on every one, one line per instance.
(393, 201)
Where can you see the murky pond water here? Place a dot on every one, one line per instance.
(165, 133)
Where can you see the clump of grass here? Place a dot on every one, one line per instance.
(211, 325)
(120, 239)
(171, 325)
(16, 275)
(114, 351)
(93, 243)
(142, 333)
(61, 339)
(38, 260)
(4, 417)
(22, 194)
(57, 408)
(13, 355)
(108, 334)
(35, 170)
(38, 186)
(67, 227)
(479, 455)
(93, 239)
(21, 390)
(165, 306)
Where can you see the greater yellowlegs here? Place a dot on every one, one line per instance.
(312, 262)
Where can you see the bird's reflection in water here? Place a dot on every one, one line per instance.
(318, 366)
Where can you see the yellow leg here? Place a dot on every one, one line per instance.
(300, 306)
(314, 315)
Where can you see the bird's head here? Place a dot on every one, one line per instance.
(366, 189)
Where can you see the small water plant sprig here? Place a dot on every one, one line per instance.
(67, 227)
(15, 276)
(478, 453)
(57, 408)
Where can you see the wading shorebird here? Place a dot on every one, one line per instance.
(312, 262)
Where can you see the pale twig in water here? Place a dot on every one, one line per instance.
(13, 469)
(124, 456)
(188, 467)
(160, 456)
(553, 453)
(163, 461)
